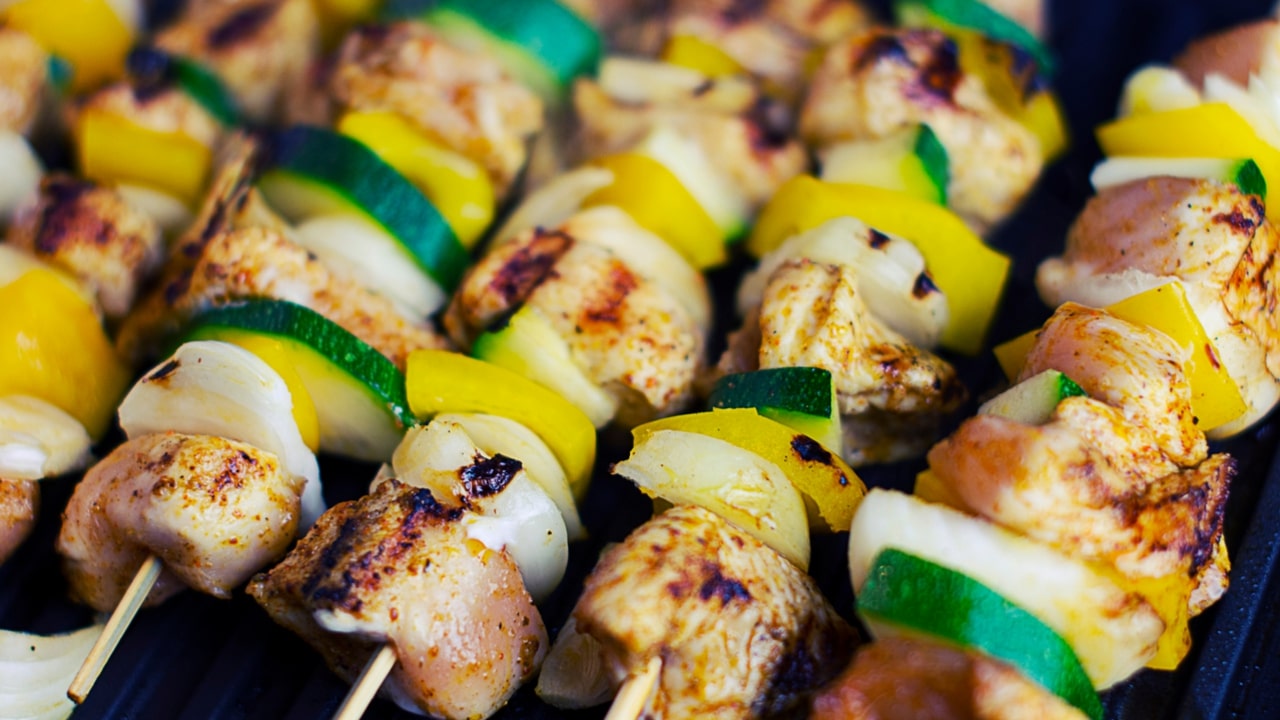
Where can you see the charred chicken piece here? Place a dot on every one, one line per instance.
(19, 503)
(396, 566)
(1205, 234)
(24, 65)
(892, 394)
(917, 679)
(740, 630)
(881, 81)
(261, 49)
(629, 333)
(213, 510)
(94, 234)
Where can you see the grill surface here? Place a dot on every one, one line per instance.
(196, 657)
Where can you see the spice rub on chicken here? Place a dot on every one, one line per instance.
(876, 83)
(1120, 476)
(261, 50)
(741, 632)
(892, 393)
(627, 331)
(462, 99)
(19, 503)
(1207, 235)
(213, 510)
(913, 678)
(261, 263)
(397, 566)
(94, 234)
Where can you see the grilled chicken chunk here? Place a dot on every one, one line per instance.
(462, 99)
(1121, 476)
(627, 332)
(92, 233)
(1139, 371)
(917, 679)
(397, 567)
(214, 510)
(1235, 53)
(24, 67)
(1086, 484)
(892, 394)
(1205, 234)
(256, 263)
(260, 49)
(19, 503)
(742, 632)
(881, 81)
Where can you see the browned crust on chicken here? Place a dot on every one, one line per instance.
(919, 679)
(881, 81)
(1079, 483)
(627, 332)
(1138, 370)
(92, 233)
(24, 68)
(741, 631)
(1235, 53)
(463, 99)
(213, 510)
(258, 48)
(395, 566)
(19, 504)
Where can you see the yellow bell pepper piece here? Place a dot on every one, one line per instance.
(1168, 596)
(930, 488)
(52, 346)
(970, 274)
(458, 187)
(438, 381)
(694, 53)
(831, 489)
(1215, 397)
(653, 197)
(88, 34)
(992, 62)
(1212, 130)
(274, 353)
(113, 149)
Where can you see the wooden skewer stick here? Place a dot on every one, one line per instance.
(106, 644)
(636, 692)
(361, 694)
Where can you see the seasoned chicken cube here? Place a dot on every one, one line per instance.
(881, 81)
(24, 67)
(92, 233)
(1207, 235)
(741, 632)
(1235, 53)
(462, 99)
(892, 395)
(258, 263)
(627, 332)
(397, 567)
(19, 503)
(260, 49)
(213, 510)
(1082, 484)
(919, 679)
(1140, 371)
